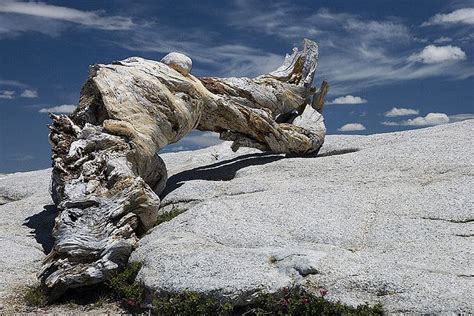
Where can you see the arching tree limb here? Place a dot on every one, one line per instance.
(106, 172)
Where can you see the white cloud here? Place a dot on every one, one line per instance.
(87, 18)
(351, 127)
(401, 112)
(432, 54)
(460, 16)
(7, 94)
(195, 140)
(348, 99)
(389, 123)
(430, 119)
(29, 93)
(65, 108)
(443, 39)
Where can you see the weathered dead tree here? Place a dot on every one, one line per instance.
(107, 175)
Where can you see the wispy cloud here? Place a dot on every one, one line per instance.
(7, 94)
(443, 39)
(460, 16)
(65, 108)
(18, 17)
(351, 127)
(461, 117)
(87, 18)
(355, 52)
(20, 157)
(223, 59)
(12, 83)
(401, 112)
(348, 99)
(29, 93)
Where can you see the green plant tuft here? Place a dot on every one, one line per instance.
(124, 287)
(189, 303)
(167, 216)
(297, 301)
(35, 295)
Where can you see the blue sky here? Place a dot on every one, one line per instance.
(392, 65)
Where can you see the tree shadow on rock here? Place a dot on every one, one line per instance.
(220, 171)
(225, 170)
(42, 225)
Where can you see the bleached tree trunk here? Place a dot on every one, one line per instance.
(107, 175)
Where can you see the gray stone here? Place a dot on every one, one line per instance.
(27, 217)
(385, 218)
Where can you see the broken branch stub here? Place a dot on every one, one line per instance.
(106, 172)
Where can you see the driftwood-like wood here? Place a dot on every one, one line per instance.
(107, 175)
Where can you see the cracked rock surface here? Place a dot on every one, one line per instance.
(384, 218)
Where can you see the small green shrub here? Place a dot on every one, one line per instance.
(124, 287)
(35, 295)
(294, 301)
(167, 216)
(189, 304)
(297, 301)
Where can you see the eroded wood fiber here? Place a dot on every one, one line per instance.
(107, 175)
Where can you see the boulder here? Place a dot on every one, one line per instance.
(385, 218)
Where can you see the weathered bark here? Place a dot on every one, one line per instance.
(257, 112)
(107, 175)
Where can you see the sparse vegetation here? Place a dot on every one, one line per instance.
(124, 286)
(297, 301)
(167, 216)
(189, 303)
(35, 295)
(294, 301)
(132, 295)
